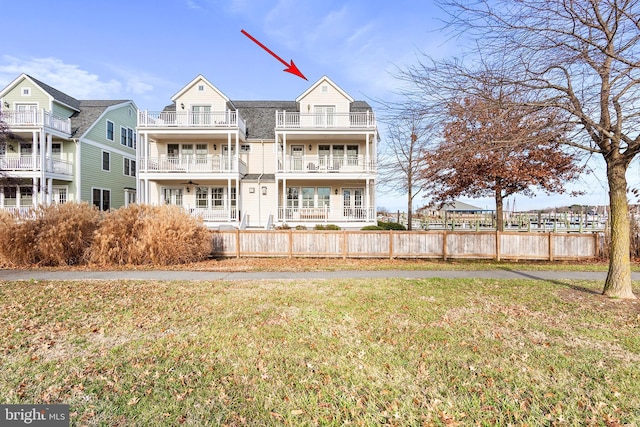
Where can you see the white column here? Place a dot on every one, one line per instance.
(49, 190)
(49, 152)
(284, 153)
(229, 151)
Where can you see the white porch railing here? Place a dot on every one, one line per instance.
(27, 162)
(37, 118)
(186, 119)
(326, 120)
(209, 163)
(326, 214)
(326, 163)
(214, 214)
(22, 211)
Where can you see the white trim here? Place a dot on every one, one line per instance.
(193, 82)
(324, 79)
(107, 110)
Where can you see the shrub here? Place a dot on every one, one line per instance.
(300, 227)
(145, 234)
(48, 235)
(372, 227)
(391, 226)
(66, 232)
(326, 227)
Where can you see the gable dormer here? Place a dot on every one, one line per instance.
(200, 95)
(324, 95)
(26, 92)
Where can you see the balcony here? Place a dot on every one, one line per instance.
(30, 163)
(326, 164)
(326, 214)
(36, 118)
(198, 164)
(187, 119)
(327, 120)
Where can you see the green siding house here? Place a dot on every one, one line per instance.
(60, 149)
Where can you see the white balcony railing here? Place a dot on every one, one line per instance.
(187, 119)
(326, 120)
(326, 214)
(36, 118)
(214, 214)
(29, 163)
(326, 164)
(209, 163)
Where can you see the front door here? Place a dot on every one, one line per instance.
(172, 196)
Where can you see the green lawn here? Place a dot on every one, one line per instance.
(359, 352)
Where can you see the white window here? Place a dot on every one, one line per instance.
(101, 197)
(110, 130)
(200, 88)
(129, 167)
(106, 161)
(26, 91)
(129, 196)
(60, 195)
(130, 137)
(123, 135)
(245, 148)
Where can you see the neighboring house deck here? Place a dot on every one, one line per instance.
(62, 149)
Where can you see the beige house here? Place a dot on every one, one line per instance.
(261, 164)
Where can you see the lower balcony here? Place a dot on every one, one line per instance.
(326, 215)
(31, 163)
(214, 214)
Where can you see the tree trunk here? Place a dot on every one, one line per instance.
(409, 199)
(618, 283)
(499, 217)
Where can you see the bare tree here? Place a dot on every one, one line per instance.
(576, 57)
(402, 160)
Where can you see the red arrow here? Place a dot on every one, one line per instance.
(291, 68)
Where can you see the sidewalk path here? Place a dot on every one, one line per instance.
(8, 275)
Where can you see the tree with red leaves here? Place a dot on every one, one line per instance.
(492, 148)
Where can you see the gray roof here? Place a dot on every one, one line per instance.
(261, 116)
(57, 95)
(90, 111)
(265, 177)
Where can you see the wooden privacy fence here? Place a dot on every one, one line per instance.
(405, 244)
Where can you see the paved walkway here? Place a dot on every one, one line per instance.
(7, 275)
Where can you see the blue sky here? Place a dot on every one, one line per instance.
(148, 50)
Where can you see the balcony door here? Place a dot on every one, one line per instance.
(172, 196)
(353, 203)
(26, 113)
(201, 115)
(324, 115)
(297, 155)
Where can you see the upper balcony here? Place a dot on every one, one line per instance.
(333, 164)
(191, 120)
(37, 118)
(193, 164)
(326, 120)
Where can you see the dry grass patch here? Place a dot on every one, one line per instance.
(363, 352)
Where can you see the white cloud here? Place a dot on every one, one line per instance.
(68, 78)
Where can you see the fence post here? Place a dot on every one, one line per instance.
(497, 245)
(290, 243)
(551, 246)
(237, 243)
(390, 244)
(444, 244)
(344, 244)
